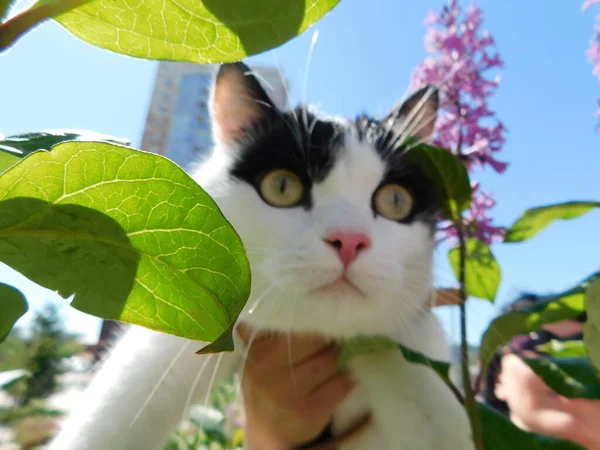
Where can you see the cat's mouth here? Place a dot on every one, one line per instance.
(342, 284)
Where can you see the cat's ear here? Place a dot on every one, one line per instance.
(238, 103)
(416, 116)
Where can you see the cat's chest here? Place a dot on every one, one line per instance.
(411, 408)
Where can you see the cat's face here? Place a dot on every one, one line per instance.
(337, 223)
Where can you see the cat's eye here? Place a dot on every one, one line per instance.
(393, 202)
(281, 188)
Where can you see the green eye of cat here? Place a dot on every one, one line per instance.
(393, 202)
(281, 188)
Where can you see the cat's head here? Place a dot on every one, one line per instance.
(337, 223)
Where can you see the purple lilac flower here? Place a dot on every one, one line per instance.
(476, 221)
(462, 55)
(234, 416)
(588, 3)
(593, 52)
(461, 58)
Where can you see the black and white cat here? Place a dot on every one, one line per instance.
(338, 226)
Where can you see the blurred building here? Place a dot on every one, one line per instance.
(178, 125)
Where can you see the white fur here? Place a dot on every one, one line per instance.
(411, 406)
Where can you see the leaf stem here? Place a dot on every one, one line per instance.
(464, 353)
(15, 28)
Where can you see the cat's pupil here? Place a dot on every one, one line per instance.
(396, 199)
(282, 185)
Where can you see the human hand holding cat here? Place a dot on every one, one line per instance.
(291, 386)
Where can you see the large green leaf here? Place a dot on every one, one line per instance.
(448, 175)
(483, 274)
(536, 219)
(569, 377)
(129, 233)
(7, 159)
(499, 433)
(591, 329)
(565, 305)
(13, 148)
(199, 31)
(12, 307)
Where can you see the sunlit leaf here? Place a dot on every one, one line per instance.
(569, 377)
(7, 159)
(129, 233)
(448, 175)
(591, 329)
(563, 349)
(536, 219)
(563, 306)
(482, 272)
(202, 31)
(13, 148)
(12, 307)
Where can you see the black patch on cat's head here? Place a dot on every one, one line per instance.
(387, 136)
(267, 138)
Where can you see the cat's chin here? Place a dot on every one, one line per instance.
(340, 311)
(342, 286)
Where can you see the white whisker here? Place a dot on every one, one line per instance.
(160, 381)
(210, 387)
(188, 401)
(311, 49)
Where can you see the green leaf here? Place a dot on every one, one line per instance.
(536, 219)
(12, 307)
(201, 31)
(13, 148)
(591, 329)
(371, 344)
(563, 306)
(26, 143)
(129, 233)
(569, 377)
(483, 274)
(448, 175)
(4, 8)
(499, 433)
(364, 345)
(563, 349)
(223, 343)
(7, 159)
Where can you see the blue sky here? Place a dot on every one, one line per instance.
(362, 62)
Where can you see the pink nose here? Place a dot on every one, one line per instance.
(348, 245)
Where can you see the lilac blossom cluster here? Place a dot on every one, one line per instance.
(593, 52)
(461, 57)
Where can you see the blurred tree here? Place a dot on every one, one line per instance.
(48, 345)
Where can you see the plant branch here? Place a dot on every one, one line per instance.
(464, 353)
(460, 131)
(12, 30)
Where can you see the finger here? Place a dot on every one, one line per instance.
(279, 352)
(446, 297)
(327, 397)
(250, 334)
(314, 372)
